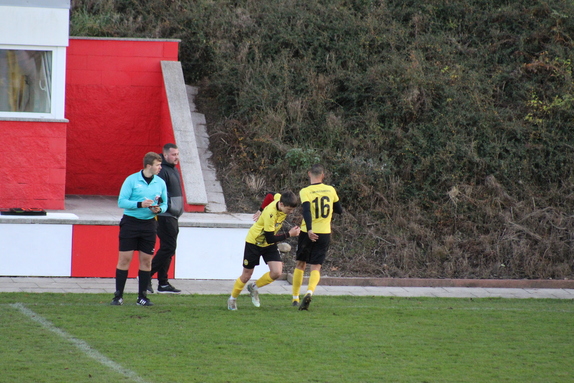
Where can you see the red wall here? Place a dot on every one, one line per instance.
(34, 170)
(115, 102)
(117, 111)
(100, 261)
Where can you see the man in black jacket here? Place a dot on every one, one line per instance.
(168, 227)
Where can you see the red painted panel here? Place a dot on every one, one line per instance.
(95, 252)
(101, 63)
(171, 51)
(76, 61)
(147, 78)
(194, 208)
(80, 47)
(115, 118)
(138, 64)
(57, 145)
(126, 48)
(57, 176)
(115, 115)
(116, 78)
(153, 49)
(42, 151)
(82, 77)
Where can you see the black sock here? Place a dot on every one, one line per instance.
(144, 279)
(121, 278)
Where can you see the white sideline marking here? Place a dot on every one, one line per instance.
(80, 344)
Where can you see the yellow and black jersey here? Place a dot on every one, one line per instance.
(321, 199)
(271, 220)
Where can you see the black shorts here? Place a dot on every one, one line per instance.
(313, 253)
(252, 253)
(138, 234)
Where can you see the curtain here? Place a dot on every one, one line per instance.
(25, 81)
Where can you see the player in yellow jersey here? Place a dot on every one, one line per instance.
(262, 241)
(319, 202)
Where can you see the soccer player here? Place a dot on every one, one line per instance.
(261, 241)
(318, 202)
(143, 195)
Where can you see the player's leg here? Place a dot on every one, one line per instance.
(251, 255)
(314, 278)
(238, 288)
(316, 259)
(298, 274)
(275, 271)
(272, 258)
(124, 260)
(304, 248)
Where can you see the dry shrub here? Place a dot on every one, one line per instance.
(447, 126)
(480, 231)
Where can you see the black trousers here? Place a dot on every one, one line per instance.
(167, 231)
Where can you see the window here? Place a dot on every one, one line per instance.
(32, 82)
(25, 81)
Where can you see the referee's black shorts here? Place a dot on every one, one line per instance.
(313, 253)
(138, 234)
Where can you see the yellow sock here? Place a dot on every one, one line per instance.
(297, 281)
(264, 280)
(314, 280)
(237, 288)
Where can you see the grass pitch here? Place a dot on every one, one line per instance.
(194, 338)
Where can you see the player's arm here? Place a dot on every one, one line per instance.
(269, 222)
(306, 207)
(270, 237)
(337, 208)
(308, 221)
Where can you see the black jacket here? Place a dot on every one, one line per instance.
(172, 180)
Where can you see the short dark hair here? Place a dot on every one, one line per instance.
(288, 198)
(166, 147)
(317, 170)
(150, 157)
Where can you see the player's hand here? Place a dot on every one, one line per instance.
(147, 203)
(294, 231)
(155, 209)
(312, 236)
(256, 215)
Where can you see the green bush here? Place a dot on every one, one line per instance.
(447, 127)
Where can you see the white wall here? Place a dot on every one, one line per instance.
(34, 25)
(212, 253)
(45, 250)
(38, 25)
(36, 250)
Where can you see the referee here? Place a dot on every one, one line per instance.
(143, 195)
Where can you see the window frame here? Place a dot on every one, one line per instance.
(58, 78)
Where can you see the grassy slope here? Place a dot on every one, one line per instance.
(446, 126)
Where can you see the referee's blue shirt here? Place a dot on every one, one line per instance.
(135, 189)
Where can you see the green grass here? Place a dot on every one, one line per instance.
(193, 338)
